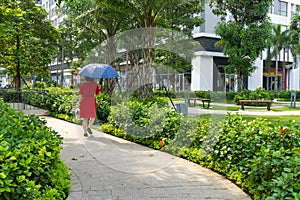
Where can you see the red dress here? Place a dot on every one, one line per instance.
(88, 104)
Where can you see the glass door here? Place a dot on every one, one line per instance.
(230, 82)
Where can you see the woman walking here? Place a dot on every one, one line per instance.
(88, 105)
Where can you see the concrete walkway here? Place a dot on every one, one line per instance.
(108, 168)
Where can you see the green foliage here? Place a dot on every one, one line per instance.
(259, 151)
(170, 62)
(28, 38)
(145, 122)
(60, 102)
(286, 95)
(39, 85)
(103, 107)
(231, 95)
(163, 93)
(30, 164)
(202, 94)
(245, 35)
(293, 42)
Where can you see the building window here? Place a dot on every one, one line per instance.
(283, 8)
(294, 9)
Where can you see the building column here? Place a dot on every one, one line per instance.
(202, 72)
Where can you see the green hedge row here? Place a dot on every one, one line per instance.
(31, 167)
(61, 102)
(218, 95)
(263, 159)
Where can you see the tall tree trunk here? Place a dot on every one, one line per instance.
(149, 35)
(239, 78)
(133, 72)
(110, 51)
(62, 67)
(283, 71)
(109, 84)
(276, 73)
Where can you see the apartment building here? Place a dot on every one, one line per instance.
(51, 7)
(59, 72)
(208, 66)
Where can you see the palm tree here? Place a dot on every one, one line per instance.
(294, 38)
(277, 43)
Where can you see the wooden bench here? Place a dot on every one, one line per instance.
(267, 102)
(199, 99)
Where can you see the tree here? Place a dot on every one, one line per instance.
(105, 19)
(26, 37)
(278, 41)
(176, 15)
(97, 23)
(294, 37)
(245, 35)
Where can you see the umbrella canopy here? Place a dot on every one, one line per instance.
(96, 70)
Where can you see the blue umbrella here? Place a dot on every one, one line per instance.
(96, 70)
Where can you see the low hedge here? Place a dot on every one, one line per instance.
(262, 158)
(31, 167)
(138, 120)
(62, 102)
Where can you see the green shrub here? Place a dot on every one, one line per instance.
(39, 84)
(189, 138)
(202, 94)
(284, 94)
(145, 122)
(11, 96)
(214, 95)
(103, 107)
(31, 167)
(230, 95)
(257, 155)
(163, 93)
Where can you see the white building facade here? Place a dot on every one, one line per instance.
(208, 71)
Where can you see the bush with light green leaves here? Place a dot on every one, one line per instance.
(31, 167)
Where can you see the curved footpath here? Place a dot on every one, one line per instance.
(104, 167)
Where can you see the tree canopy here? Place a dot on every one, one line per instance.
(27, 39)
(294, 39)
(244, 35)
(104, 21)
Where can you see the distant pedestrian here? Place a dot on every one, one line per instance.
(88, 104)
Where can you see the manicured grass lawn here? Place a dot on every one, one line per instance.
(285, 108)
(233, 107)
(228, 108)
(272, 119)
